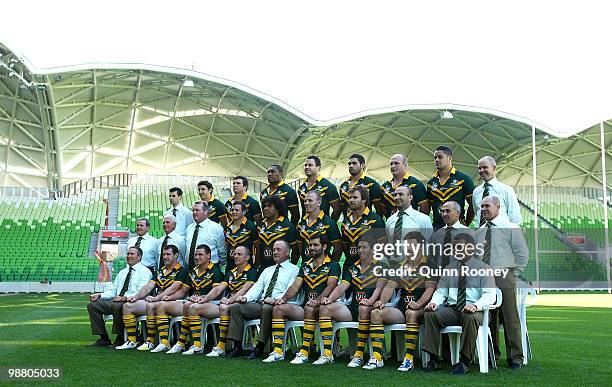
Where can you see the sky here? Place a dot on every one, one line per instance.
(546, 62)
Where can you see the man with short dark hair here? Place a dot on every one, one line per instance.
(447, 184)
(180, 212)
(277, 186)
(216, 210)
(357, 176)
(133, 277)
(147, 243)
(314, 181)
(315, 222)
(317, 278)
(239, 232)
(359, 221)
(239, 187)
(167, 285)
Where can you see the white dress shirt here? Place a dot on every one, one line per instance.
(210, 234)
(508, 248)
(413, 220)
(179, 241)
(149, 248)
(139, 278)
(479, 290)
(184, 217)
(437, 239)
(286, 276)
(509, 205)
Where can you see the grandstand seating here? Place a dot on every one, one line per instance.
(50, 238)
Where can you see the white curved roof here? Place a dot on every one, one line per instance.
(528, 61)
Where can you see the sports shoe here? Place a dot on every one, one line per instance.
(374, 363)
(160, 348)
(127, 345)
(324, 360)
(176, 348)
(407, 365)
(193, 350)
(216, 352)
(299, 359)
(356, 362)
(274, 357)
(146, 346)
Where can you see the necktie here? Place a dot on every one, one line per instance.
(272, 283)
(161, 254)
(397, 230)
(447, 242)
(174, 212)
(194, 243)
(486, 256)
(485, 193)
(461, 289)
(138, 241)
(126, 283)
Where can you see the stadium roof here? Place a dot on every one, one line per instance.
(60, 124)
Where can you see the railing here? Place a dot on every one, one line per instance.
(25, 192)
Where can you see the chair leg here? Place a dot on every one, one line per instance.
(482, 348)
(424, 355)
(455, 343)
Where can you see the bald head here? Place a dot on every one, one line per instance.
(490, 207)
(398, 164)
(487, 168)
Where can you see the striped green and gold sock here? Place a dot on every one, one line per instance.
(309, 330)
(377, 335)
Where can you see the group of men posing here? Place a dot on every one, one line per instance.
(180, 273)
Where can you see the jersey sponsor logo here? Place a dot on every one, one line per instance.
(267, 252)
(408, 298)
(313, 296)
(353, 250)
(360, 296)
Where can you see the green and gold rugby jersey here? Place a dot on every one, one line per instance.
(419, 194)
(281, 229)
(353, 229)
(200, 284)
(252, 206)
(323, 225)
(163, 278)
(412, 287)
(216, 209)
(315, 277)
(283, 191)
(329, 193)
(245, 235)
(368, 183)
(362, 280)
(235, 280)
(458, 187)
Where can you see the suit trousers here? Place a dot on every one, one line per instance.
(508, 316)
(239, 313)
(98, 308)
(446, 316)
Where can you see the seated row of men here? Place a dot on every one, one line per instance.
(203, 292)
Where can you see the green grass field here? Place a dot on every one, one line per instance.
(570, 347)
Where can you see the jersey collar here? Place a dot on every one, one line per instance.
(452, 172)
(319, 178)
(246, 268)
(310, 263)
(280, 219)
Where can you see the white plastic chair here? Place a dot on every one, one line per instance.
(291, 325)
(525, 297)
(350, 326)
(484, 342)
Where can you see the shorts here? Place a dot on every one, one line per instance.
(402, 306)
(354, 309)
